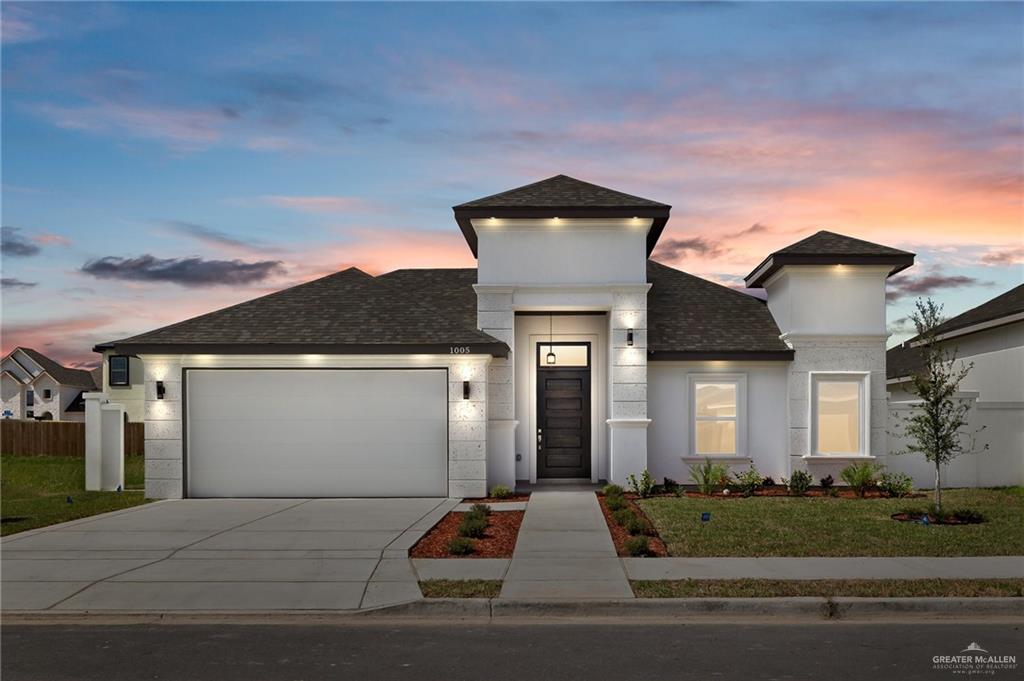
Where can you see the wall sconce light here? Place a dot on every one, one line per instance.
(465, 390)
(629, 337)
(160, 390)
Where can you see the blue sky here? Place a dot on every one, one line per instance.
(161, 160)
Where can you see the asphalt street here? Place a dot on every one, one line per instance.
(452, 652)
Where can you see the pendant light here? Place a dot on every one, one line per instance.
(551, 340)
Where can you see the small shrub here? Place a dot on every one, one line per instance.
(642, 487)
(638, 546)
(749, 481)
(500, 492)
(827, 482)
(638, 525)
(709, 476)
(967, 515)
(480, 509)
(615, 503)
(623, 516)
(473, 526)
(670, 486)
(896, 485)
(612, 491)
(769, 481)
(798, 483)
(860, 476)
(460, 546)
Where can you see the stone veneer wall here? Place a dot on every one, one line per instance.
(467, 419)
(496, 317)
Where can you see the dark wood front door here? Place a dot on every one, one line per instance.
(563, 423)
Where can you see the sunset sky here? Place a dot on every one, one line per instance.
(163, 160)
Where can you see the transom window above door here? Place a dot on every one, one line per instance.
(718, 415)
(565, 354)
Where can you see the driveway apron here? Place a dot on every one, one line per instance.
(564, 551)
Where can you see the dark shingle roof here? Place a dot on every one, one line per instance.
(829, 248)
(561, 191)
(562, 196)
(693, 318)
(450, 290)
(60, 373)
(904, 360)
(346, 312)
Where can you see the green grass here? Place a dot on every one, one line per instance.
(460, 588)
(792, 526)
(828, 588)
(34, 491)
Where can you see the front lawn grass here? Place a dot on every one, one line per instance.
(460, 588)
(34, 491)
(801, 526)
(828, 588)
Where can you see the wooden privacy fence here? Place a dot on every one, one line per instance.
(58, 438)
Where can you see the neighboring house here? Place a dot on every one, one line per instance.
(33, 386)
(565, 354)
(991, 336)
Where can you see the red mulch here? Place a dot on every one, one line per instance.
(932, 519)
(620, 535)
(492, 500)
(498, 542)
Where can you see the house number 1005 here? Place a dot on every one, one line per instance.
(460, 350)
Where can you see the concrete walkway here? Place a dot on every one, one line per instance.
(564, 550)
(982, 567)
(223, 554)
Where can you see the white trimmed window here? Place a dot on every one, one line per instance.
(718, 415)
(839, 414)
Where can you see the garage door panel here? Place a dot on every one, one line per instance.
(302, 433)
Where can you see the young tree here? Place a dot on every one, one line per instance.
(938, 427)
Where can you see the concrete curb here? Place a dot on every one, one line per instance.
(481, 610)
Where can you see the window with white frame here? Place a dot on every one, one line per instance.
(839, 414)
(718, 413)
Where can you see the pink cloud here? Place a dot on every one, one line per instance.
(186, 129)
(46, 239)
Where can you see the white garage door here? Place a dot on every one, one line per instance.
(317, 433)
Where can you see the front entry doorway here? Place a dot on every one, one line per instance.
(563, 410)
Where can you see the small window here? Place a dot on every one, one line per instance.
(718, 405)
(839, 415)
(47, 393)
(118, 366)
(30, 398)
(30, 414)
(565, 354)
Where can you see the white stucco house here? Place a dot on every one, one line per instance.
(565, 354)
(33, 386)
(991, 337)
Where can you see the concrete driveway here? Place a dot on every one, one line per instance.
(222, 554)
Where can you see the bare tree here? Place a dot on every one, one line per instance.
(938, 428)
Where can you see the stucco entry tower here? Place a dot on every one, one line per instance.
(562, 246)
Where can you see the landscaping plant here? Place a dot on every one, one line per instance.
(500, 492)
(642, 487)
(749, 481)
(612, 491)
(473, 525)
(861, 476)
(480, 509)
(615, 503)
(460, 546)
(709, 476)
(638, 546)
(623, 516)
(670, 486)
(769, 481)
(638, 525)
(938, 428)
(798, 483)
(896, 484)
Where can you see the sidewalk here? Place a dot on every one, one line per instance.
(564, 551)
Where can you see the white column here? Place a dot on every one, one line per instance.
(93, 440)
(496, 317)
(112, 449)
(628, 383)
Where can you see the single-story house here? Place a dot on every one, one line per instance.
(991, 337)
(33, 386)
(567, 353)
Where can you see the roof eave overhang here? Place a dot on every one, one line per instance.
(704, 356)
(495, 349)
(773, 263)
(658, 215)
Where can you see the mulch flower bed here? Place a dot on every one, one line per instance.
(498, 541)
(619, 533)
(781, 491)
(910, 517)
